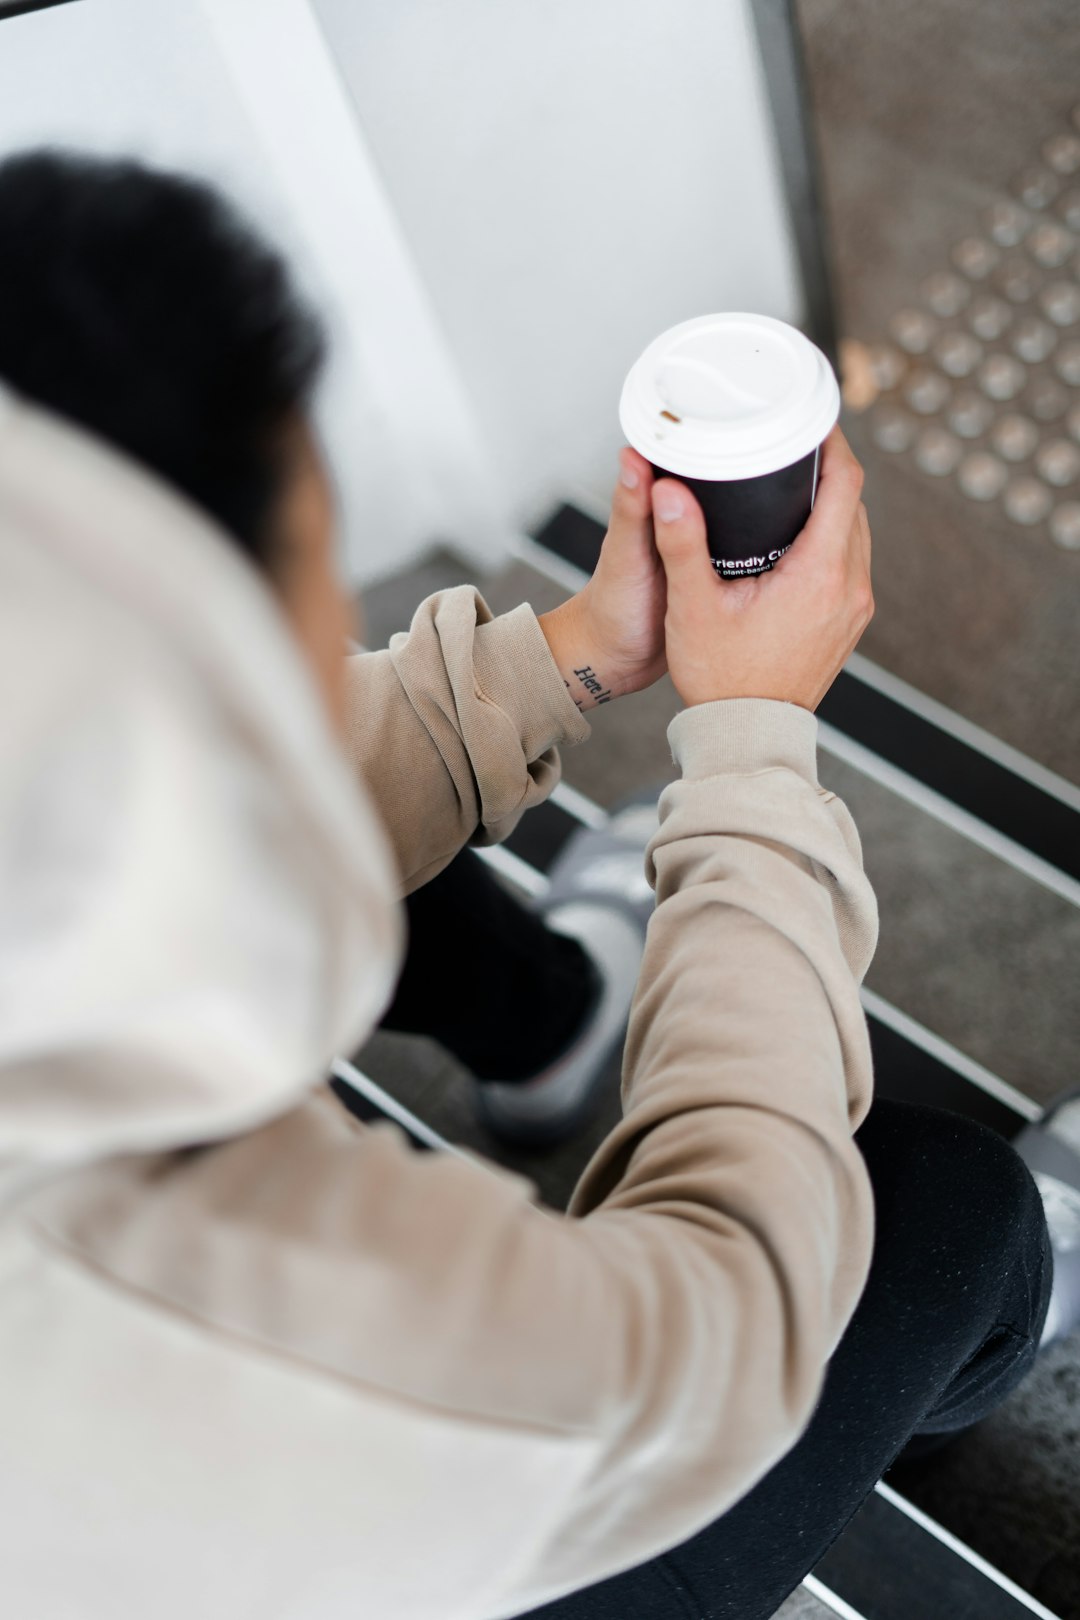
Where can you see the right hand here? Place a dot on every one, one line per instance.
(785, 634)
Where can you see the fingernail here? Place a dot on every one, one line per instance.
(628, 476)
(669, 506)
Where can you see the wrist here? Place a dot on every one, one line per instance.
(589, 674)
(742, 736)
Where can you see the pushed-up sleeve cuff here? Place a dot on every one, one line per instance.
(739, 736)
(515, 670)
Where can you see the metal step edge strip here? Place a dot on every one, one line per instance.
(935, 1046)
(515, 870)
(578, 805)
(965, 731)
(977, 831)
(546, 561)
(349, 1075)
(831, 1600)
(933, 1528)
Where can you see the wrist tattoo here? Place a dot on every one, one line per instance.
(592, 683)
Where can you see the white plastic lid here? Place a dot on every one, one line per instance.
(729, 396)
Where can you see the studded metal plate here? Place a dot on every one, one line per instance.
(979, 380)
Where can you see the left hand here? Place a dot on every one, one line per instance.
(613, 629)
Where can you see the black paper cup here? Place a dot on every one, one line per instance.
(751, 522)
(735, 406)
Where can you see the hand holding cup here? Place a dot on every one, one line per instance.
(784, 634)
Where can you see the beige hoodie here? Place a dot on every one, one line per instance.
(258, 1362)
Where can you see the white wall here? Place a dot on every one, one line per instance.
(572, 177)
(245, 93)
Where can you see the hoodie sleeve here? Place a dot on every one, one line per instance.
(454, 727)
(670, 1335)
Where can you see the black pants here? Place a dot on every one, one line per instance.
(486, 979)
(947, 1325)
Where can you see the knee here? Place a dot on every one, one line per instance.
(929, 1164)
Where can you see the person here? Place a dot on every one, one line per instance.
(256, 1359)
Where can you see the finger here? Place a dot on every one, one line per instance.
(633, 464)
(836, 452)
(631, 498)
(679, 524)
(858, 545)
(840, 482)
(840, 479)
(860, 588)
(865, 542)
(629, 531)
(867, 550)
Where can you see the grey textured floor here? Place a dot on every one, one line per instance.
(926, 114)
(970, 947)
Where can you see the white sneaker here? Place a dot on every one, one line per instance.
(1051, 1150)
(598, 894)
(557, 1102)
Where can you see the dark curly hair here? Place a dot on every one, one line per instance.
(140, 305)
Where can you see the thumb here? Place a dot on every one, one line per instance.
(679, 527)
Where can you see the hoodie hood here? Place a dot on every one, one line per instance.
(197, 902)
